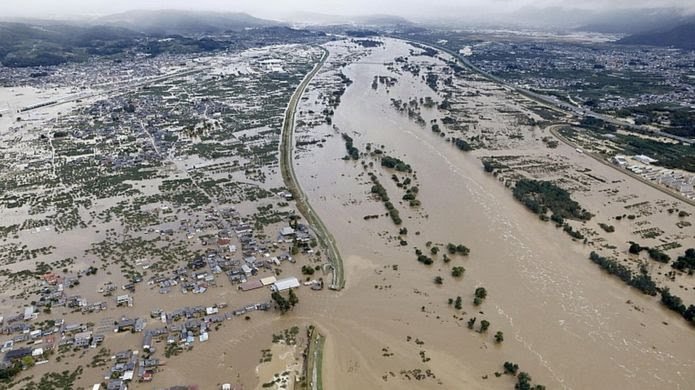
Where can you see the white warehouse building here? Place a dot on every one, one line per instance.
(285, 284)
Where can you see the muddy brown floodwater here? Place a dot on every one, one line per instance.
(565, 321)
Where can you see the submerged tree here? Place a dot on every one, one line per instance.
(471, 323)
(499, 337)
(293, 300)
(480, 295)
(280, 301)
(510, 368)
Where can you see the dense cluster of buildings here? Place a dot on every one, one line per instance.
(582, 71)
(237, 254)
(678, 181)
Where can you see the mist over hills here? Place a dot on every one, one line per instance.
(626, 21)
(638, 20)
(31, 42)
(313, 18)
(35, 42)
(682, 37)
(614, 21)
(166, 22)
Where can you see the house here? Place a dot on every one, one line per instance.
(619, 160)
(196, 264)
(52, 278)
(149, 363)
(123, 356)
(74, 328)
(29, 313)
(125, 324)
(213, 319)
(7, 346)
(17, 354)
(287, 231)
(116, 384)
(83, 339)
(247, 270)
(147, 376)
(97, 339)
(285, 195)
(285, 284)
(236, 277)
(192, 324)
(250, 285)
(147, 341)
(139, 325)
(122, 300)
(211, 310)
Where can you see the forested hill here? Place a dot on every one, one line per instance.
(24, 44)
(48, 43)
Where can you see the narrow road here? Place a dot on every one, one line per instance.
(149, 135)
(315, 360)
(325, 238)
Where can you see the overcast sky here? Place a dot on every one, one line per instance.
(275, 8)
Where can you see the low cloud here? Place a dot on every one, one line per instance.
(408, 8)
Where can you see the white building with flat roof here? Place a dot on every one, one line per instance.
(285, 284)
(644, 159)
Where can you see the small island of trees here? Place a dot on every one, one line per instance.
(642, 281)
(543, 196)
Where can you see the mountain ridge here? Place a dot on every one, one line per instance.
(681, 37)
(166, 22)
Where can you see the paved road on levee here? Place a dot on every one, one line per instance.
(325, 237)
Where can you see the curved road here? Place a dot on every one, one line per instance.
(325, 238)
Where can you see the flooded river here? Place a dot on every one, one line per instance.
(565, 322)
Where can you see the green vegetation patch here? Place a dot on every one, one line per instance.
(543, 196)
(642, 281)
